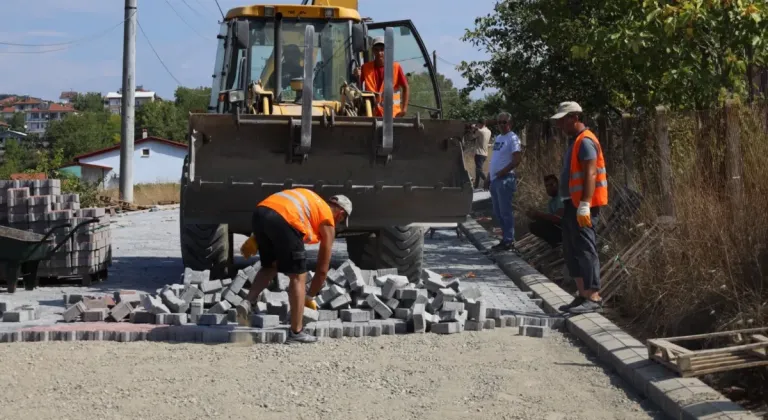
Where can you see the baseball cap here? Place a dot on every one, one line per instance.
(378, 40)
(345, 203)
(566, 108)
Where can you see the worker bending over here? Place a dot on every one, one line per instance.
(584, 188)
(282, 224)
(372, 74)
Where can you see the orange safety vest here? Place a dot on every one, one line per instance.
(303, 209)
(576, 178)
(368, 73)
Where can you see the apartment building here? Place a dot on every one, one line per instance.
(113, 100)
(37, 113)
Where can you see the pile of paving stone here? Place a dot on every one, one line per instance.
(353, 303)
(39, 206)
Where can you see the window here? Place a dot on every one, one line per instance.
(144, 152)
(331, 64)
(415, 66)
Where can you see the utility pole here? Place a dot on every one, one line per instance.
(128, 102)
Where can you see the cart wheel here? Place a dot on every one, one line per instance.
(29, 273)
(86, 280)
(11, 276)
(103, 275)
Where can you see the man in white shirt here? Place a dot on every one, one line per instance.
(506, 157)
(482, 137)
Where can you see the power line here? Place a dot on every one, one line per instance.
(447, 62)
(184, 20)
(141, 29)
(192, 9)
(76, 41)
(220, 11)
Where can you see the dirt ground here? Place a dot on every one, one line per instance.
(489, 375)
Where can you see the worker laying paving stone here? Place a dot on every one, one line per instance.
(352, 303)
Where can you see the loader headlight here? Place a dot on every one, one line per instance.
(269, 11)
(236, 96)
(328, 13)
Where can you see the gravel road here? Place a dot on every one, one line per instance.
(489, 375)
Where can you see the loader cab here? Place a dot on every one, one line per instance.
(247, 75)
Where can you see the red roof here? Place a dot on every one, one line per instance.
(9, 109)
(2, 124)
(8, 100)
(29, 101)
(135, 143)
(53, 108)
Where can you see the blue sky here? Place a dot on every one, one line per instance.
(188, 49)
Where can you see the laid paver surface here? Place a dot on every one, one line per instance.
(491, 374)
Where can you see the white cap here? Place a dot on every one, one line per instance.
(345, 203)
(566, 108)
(378, 40)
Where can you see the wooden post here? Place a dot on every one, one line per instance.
(602, 134)
(734, 184)
(628, 152)
(665, 170)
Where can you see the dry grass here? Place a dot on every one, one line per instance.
(710, 272)
(149, 194)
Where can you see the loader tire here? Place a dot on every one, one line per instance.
(400, 247)
(203, 247)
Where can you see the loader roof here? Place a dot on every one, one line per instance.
(294, 11)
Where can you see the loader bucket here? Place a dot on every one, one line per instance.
(237, 161)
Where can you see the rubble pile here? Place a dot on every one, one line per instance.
(39, 206)
(352, 303)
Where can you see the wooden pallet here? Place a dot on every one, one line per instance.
(750, 350)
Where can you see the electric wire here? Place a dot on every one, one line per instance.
(58, 44)
(185, 21)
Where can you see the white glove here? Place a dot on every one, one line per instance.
(583, 215)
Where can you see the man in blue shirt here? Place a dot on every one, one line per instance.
(547, 225)
(506, 157)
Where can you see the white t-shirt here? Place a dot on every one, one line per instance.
(503, 148)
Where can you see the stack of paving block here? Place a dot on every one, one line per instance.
(21, 313)
(90, 308)
(39, 206)
(353, 303)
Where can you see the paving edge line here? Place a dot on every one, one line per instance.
(679, 398)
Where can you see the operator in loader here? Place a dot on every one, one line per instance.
(372, 74)
(282, 224)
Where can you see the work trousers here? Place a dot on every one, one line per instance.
(580, 247)
(547, 230)
(479, 174)
(502, 193)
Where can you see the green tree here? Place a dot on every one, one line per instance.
(84, 132)
(162, 119)
(16, 158)
(192, 100)
(17, 122)
(617, 55)
(91, 101)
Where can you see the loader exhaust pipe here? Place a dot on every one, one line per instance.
(389, 91)
(307, 90)
(278, 73)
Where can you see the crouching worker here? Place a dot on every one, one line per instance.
(547, 225)
(282, 224)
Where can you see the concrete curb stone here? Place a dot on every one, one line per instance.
(680, 398)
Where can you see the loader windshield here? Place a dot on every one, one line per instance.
(331, 58)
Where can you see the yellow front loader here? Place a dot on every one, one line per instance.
(286, 111)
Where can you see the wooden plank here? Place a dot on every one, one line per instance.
(717, 334)
(688, 374)
(664, 343)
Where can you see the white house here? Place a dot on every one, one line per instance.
(113, 100)
(155, 160)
